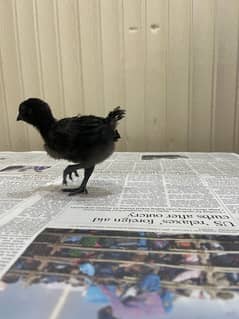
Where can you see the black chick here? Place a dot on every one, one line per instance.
(85, 140)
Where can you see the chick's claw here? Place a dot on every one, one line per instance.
(76, 173)
(74, 191)
(68, 171)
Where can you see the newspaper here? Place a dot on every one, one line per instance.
(96, 274)
(196, 193)
(172, 193)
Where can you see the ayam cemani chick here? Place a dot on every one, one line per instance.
(86, 140)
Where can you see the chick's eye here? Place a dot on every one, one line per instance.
(26, 112)
(29, 111)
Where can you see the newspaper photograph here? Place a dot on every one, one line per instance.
(96, 274)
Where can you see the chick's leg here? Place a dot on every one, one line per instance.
(69, 170)
(82, 188)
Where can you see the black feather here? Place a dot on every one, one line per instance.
(114, 116)
(87, 140)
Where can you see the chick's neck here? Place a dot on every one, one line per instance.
(44, 126)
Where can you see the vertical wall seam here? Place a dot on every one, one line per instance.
(214, 80)
(38, 48)
(100, 48)
(19, 65)
(10, 144)
(167, 78)
(123, 70)
(190, 75)
(79, 55)
(59, 56)
(145, 55)
(236, 103)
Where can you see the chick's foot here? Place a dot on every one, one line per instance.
(74, 191)
(82, 187)
(68, 171)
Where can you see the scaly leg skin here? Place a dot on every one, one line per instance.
(82, 188)
(69, 170)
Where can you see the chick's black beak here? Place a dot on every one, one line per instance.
(19, 117)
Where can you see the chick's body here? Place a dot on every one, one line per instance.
(85, 140)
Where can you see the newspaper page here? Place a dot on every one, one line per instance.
(157, 233)
(29, 199)
(183, 192)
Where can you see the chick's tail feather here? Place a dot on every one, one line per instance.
(114, 116)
